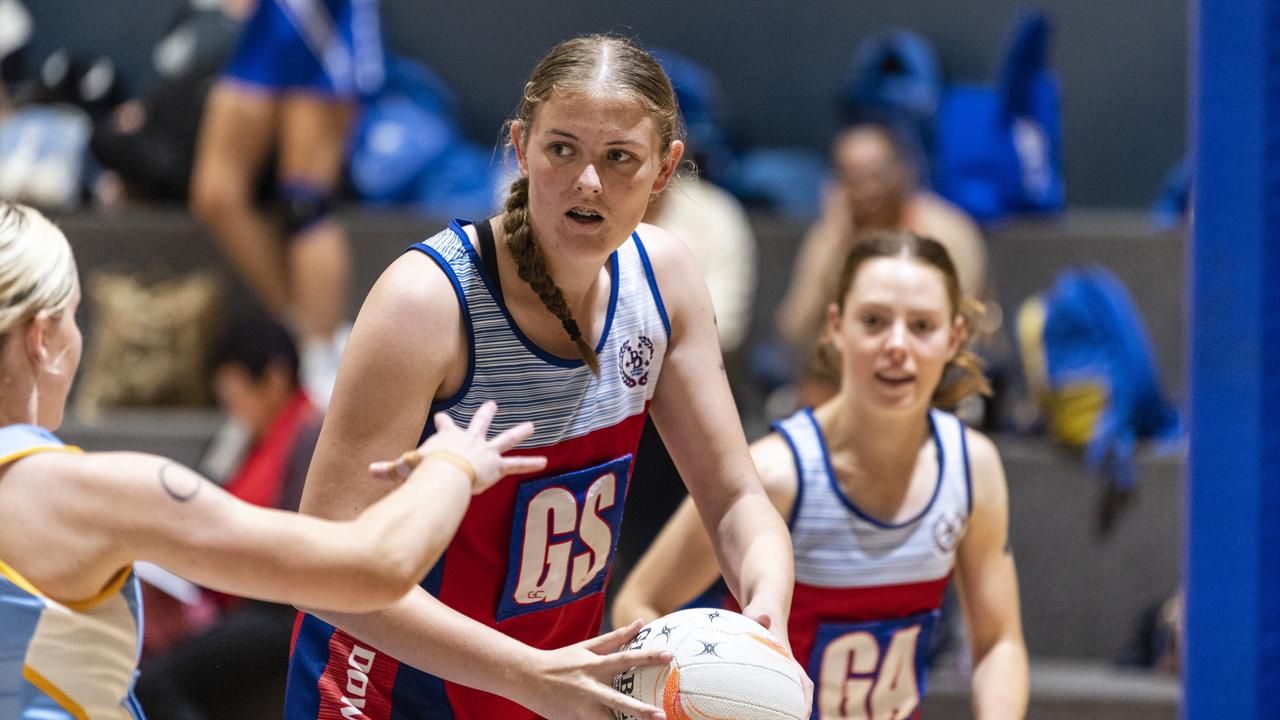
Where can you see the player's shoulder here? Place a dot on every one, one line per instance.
(416, 282)
(776, 464)
(674, 270)
(668, 255)
(985, 467)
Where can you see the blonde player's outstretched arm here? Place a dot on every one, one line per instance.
(696, 416)
(144, 507)
(988, 585)
(681, 563)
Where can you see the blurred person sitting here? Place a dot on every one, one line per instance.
(875, 186)
(224, 656)
(715, 226)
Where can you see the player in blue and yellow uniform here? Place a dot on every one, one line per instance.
(291, 88)
(887, 496)
(571, 312)
(72, 523)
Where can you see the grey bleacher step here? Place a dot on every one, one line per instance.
(1068, 689)
(178, 433)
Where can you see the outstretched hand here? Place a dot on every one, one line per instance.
(576, 682)
(469, 446)
(779, 630)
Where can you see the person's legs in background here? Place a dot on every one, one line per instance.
(313, 142)
(237, 135)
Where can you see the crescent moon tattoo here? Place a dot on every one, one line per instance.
(181, 486)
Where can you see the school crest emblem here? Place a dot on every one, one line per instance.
(634, 358)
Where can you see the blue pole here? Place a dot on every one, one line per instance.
(1232, 654)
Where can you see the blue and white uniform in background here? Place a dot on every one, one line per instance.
(329, 47)
(868, 592)
(65, 661)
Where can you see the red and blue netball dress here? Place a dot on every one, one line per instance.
(329, 47)
(65, 661)
(868, 592)
(533, 553)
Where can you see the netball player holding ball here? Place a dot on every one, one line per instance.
(570, 313)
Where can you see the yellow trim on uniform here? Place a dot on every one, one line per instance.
(16, 578)
(35, 678)
(15, 456)
(111, 588)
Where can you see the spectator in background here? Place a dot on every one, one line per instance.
(291, 86)
(236, 665)
(15, 33)
(147, 145)
(875, 187)
(715, 227)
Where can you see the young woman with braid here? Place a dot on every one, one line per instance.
(888, 496)
(73, 523)
(570, 312)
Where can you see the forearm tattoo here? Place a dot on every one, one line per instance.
(181, 484)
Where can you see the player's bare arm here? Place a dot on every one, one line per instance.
(988, 587)
(696, 416)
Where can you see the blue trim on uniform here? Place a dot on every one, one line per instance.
(435, 576)
(132, 591)
(437, 406)
(416, 695)
(306, 664)
(613, 300)
(501, 304)
(968, 472)
(20, 612)
(42, 433)
(848, 501)
(130, 702)
(795, 457)
(653, 283)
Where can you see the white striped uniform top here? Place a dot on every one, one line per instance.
(560, 395)
(860, 577)
(837, 544)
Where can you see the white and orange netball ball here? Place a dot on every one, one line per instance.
(726, 667)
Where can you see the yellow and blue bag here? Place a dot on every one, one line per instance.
(1088, 361)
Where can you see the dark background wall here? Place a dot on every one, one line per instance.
(1122, 65)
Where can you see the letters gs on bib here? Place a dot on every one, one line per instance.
(563, 537)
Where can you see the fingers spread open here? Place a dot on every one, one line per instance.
(522, 464)
(511, 437)
(610, 665)
(443, 422)
(482, 419)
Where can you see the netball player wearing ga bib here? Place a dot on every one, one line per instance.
(885, 495)
(586, 320)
